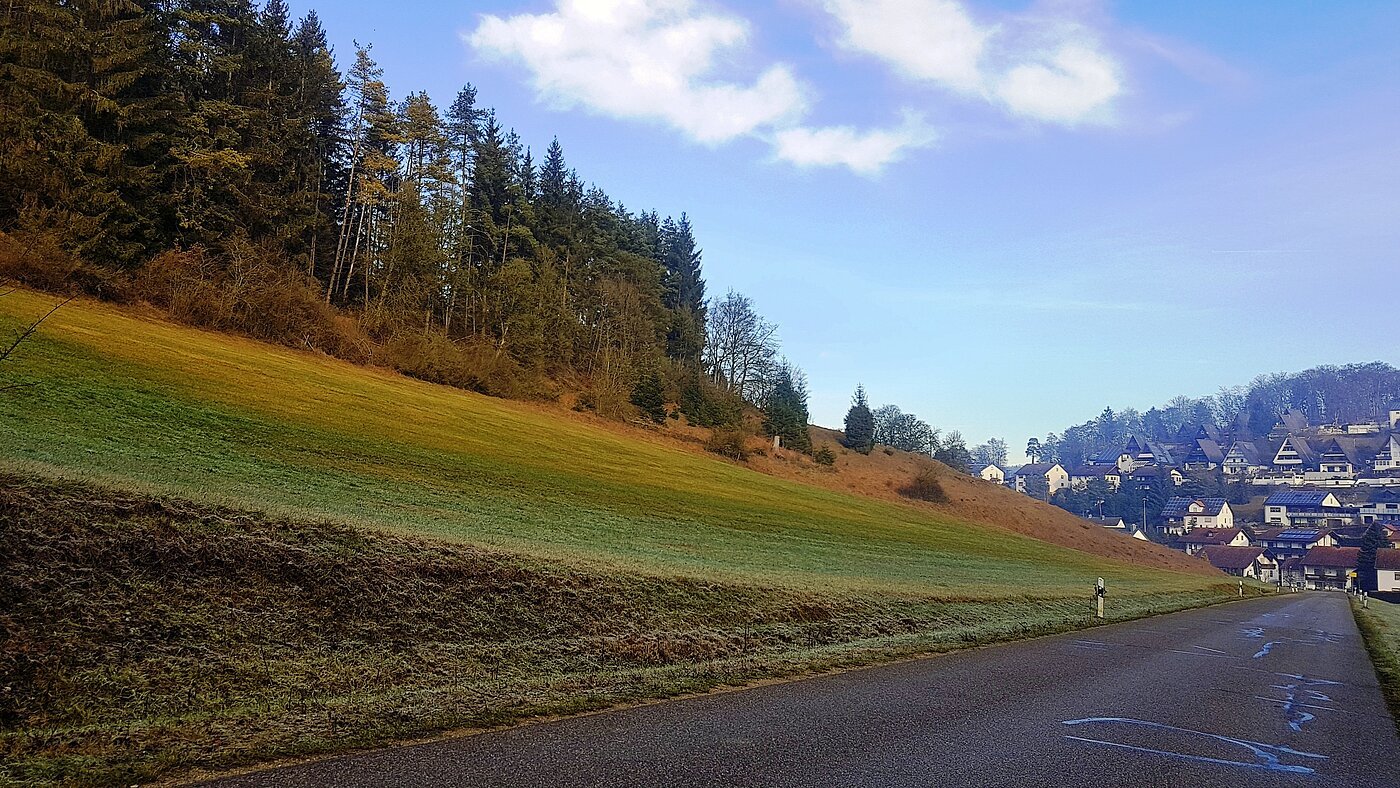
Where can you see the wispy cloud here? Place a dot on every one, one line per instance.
(1043, 65)
(866, 152)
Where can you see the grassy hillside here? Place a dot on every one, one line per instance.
(136, 402)
(215, 552)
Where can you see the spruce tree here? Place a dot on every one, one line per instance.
(649, 397)
(785, 414)
(860, 423)
(1373, 541)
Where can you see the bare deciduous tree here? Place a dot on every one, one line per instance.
(742, 348)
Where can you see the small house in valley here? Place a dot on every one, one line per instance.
(1242, 562)
(1330, 567)
(1198, 539)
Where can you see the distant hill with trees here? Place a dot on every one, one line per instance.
(1326, 394)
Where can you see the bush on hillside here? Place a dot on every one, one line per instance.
(729, 442)
(924, 487)
(824, 456)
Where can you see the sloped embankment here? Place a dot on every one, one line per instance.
(145, 636)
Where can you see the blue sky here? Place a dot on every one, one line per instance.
(998, 215)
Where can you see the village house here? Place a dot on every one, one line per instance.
(1294, 455)
(1243, 459)
(1082, 475)
(1242, 562)
(1388, 457)
(992, 473)
(1330, 567)
(1116, 523)
(1306, 507)
(1384, 507)
(1205, 453)
(1388, 570)
(1055, 476)
(1291, 542)
(1198, 539)
(1181, 513)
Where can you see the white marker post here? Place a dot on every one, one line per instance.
(1241, 588)
(1099, 593)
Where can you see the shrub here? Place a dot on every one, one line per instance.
(729, 442)
(924, 487)
(824, 456)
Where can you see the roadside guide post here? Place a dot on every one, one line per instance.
(1099, 593)
(1241, 588)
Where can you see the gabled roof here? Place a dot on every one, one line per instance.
(1300, 446)
(1388, 559)
(1248, 451)
(1294, 420)
(1385, 495)
(1176, 506)
(1035, 468)
(1149, 471)
(1108, 457)
(1227, 557)
(1210, 536)
(1301, 536)
(1297, 498)
(1332, 557)
(1094, 471)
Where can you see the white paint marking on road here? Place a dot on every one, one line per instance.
(1280, 767)
(1208, 648)
(1264, 652)
(1266, 756)
(1309, 681)
(1254, 633)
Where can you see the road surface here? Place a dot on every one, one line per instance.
(1272, 692)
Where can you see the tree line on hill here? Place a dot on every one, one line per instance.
(209, 156)
(1326, 394)
(891, 427)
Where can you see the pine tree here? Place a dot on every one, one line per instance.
(785, 414)
(860, 423)
(649, 397)
(1373, 541)
(684, 292)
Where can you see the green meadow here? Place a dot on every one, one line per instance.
(137, 403)
(215, 552)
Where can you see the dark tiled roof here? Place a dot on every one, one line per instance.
(1249, 451)
(1210, 536)
(1332, 557)
(1040, 468)
(1226, 557)
(1388, 559)
(1179, 506)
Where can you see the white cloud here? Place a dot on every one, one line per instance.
(865, 152)
(1072, 86)
(935, 40)
(644, 59)
(1040, 65)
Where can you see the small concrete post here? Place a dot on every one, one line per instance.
(1099, 593)
(1241, 588)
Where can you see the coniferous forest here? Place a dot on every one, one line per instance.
(213, 158)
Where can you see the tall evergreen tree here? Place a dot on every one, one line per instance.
(860, 423)
(1371, 542)
(785, 414)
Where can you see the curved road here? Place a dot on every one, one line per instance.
(1270, 692)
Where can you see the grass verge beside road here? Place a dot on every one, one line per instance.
(1379, 623)
(144, 637)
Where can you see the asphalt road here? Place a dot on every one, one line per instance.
(1274, 692)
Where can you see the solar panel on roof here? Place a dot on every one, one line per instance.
(1297, 535)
